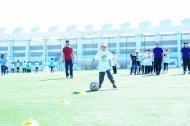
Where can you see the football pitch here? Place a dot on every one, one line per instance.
(141, 100)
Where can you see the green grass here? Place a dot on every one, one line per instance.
(139, 101)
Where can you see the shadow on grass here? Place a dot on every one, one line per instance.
(53, 79)
(150, 75)
(178, 75)
(89, 91)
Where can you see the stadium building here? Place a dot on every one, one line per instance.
(36, 46)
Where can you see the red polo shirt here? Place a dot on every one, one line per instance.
(68, 52)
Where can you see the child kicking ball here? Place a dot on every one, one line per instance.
(104, 58)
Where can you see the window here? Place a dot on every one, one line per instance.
(36, 54)
(36, 47)
(17, 48)
(54, 47)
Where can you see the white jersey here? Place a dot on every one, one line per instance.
(148, 60)
(166, 57)
(12, 66)
(24, 65)
(143, 57)
(114, 60)
(36, 64)
(17, 64)
(104, 59)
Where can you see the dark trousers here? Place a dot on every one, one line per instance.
(158, 65)
(51, 69)
(166, 66)
(3, 70)
(36, 69)
(102, 74)
(24, 70)
(114, 69)
(186, 63)
(17, 69)
(153, 70)
(134, 67)
(69, 65)
(147, 69)
(138, 67)
(143, 69)
(12, 70)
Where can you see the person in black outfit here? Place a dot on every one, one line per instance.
(134, 63)
(186, 57)
(158, 57)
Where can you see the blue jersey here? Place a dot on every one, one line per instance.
(3, 61)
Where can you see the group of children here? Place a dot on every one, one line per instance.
(21, 67)
(142, 62)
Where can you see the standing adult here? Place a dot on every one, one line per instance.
(68, 59)
(158, 57)
(186, 57)
(3, 62)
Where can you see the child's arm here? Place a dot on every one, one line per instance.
(91, 64)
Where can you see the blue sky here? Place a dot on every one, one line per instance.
(47, 13)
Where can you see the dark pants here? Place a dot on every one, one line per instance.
(147, 69)
(102, 74)
(36, 69)
(134, 67)
(12, 70)
(69, 64)
(24, 70)
(158, 65)
(3, 70)
(153, 70)
(186, 63)
(17, 69)
(114, 69)
(138, 67)
(51, 69)
(143, 69)
(166, 66)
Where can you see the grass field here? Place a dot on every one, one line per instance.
(139, 100)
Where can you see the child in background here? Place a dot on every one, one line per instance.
(104, 57)
(12, 67)
(114, 66)
(28, 67)
(17, 66)
(36, 66)
(51, 65)
(24, 67)
(166, 60)
(133, 63)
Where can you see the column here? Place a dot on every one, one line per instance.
(179, 61)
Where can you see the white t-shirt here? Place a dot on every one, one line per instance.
(148, 60)
(12, 66)
(36, 64)
(114, 60)
(17, 64)
(166, 58)
(104, 59)
(24, 65)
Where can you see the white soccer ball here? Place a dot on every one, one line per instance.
(94, 86)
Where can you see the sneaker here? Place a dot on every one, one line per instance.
(189, 72)
(114, 86)
(67, 77)
(184, 73)
(71, 77)
(100, 86)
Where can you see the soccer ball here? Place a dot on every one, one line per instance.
(94, 86)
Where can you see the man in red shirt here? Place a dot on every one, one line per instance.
(68, 59)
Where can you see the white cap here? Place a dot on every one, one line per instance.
(103, 44)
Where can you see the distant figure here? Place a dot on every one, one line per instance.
(24, 67)
(36, 66)
(158, 57)
(166, 59)
(114, 66)
(133, 63)
(12, 67)
(51, 65)
(3, 62)
(17, 66)
(185, 51)
(68, 59)
(28, 67)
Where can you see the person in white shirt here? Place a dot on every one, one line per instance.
(36, 66)
(12, 67)
(139, 58)
(166, 59)
(17, 66)
(104, 57)
(114, 63)
(148, 62)
(24, 67)
(143, 57)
